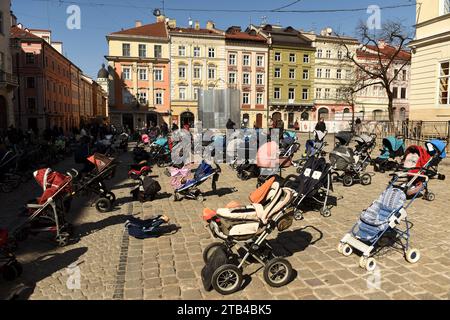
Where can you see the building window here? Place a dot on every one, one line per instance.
(339, 94)
(246, 60)
(159, 98)
(197, 52)
(404, 75)
(232, 59)
(339, 55)
(259, 98)
(31, 82)
(196, 93)
(305, 94)
(348, 74)
(181, 51)
(319, 53)
(291, 94)
(142, 51)
(232, 77)
(211, 72)
(276, 93)
(403, 93)
(328, 54)
(339, 74)
(305, 74)
(306, 58)
(444, 7)
(143, 74)
(246, 78)
(259, 61)
(292, 57)
(327, 93)
(158, 51)
(211, 52)
(182, 72)
(277, 56)
(142, 97)
(395, 92)
(246, 98)
(157, 75)
(327, 73)
(31, 105)
(197, 72)
(277, 73)
(319, 73)
(29, 58)
(126, 73)
(291, 73)
(318, 93)
(259, 79)
(126, 50)
(182, 94)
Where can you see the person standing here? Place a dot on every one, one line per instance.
(321, 126)
(230, 124)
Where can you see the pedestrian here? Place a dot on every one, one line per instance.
(296, 125)
(230, 124)
(358, 125)
(174, 126)
(321, 126)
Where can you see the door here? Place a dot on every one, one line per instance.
(259, 120)
(128, 121)
(187, 118)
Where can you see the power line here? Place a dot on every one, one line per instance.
(288, 5)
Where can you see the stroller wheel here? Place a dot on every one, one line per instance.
(209, 251)
(347, 250)
(103, 205)
(175, 197)
(278, 272)
(412, 255)
(200, 198)
(298, 215)
(110, 196)
(366, 179)
(367, 263)
(430, 196)
(227, 279)
(325, 212)
(347, 180)
(62, 239)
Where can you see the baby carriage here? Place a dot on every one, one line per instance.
(420, 162)
(312, 187)
(139, 170)
(312, 148)
(10, 268)
(188, 188)
(380, 226)
(244, 160)
(93, 183)
(393, 147)
(160, 152)
(350, 164)
(47, 214)
(243, 231)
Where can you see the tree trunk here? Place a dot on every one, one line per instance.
(353, 117)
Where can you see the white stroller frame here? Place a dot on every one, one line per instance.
(350, 242)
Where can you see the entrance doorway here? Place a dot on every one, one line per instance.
(187, 118)
(259, 120)
(128, 121)
(152, 120)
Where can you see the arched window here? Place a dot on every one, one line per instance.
(305, 116)
(402, 114)
(378, 115)
(323, 113)
(346, 110)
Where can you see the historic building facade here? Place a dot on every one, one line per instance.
(247, 70)
(430, 66)
(138, 65)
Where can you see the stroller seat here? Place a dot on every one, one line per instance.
(376, 218)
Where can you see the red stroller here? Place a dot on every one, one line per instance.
(48, 213)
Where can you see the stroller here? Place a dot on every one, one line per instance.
(188, 188)
(351, 164)
(312, 187)
(247, 148)
(160, 152)
(245, 229)
(312, 148)
(393, 147)
(47, 214)
(420, 163)
(93, 182)
(139, 170)
(10, 268)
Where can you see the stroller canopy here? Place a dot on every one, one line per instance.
(100, 161)
(434, 146)
(363, 139)
(267, 155)
(313, 176)
(290, 134)
(392, 147)
(344, 137)
(320, 135)
(416, 157)
(51, 182)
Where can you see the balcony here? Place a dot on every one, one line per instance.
(8, 80)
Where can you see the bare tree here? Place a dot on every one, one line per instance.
(385, 48)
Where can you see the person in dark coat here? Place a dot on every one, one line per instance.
(230, 124)
(321, 126)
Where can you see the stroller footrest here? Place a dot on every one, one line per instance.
(357, 244)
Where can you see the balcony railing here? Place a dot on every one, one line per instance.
(8, 79)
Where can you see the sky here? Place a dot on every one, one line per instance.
(87, 46)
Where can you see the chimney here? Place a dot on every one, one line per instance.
(210, 25)
(381, 44)
(172, 23)
(138, 23)
(197, 25)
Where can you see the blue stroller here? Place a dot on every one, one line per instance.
(160, 152)
(312, 148)
(393, 147)
(190, 189)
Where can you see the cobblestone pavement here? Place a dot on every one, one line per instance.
(115, 266)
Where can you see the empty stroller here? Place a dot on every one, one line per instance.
(94, 182)
(139, 170)
(312, 187)
(244, 231)
(421, 163)
(381, 220)
(349, 166)
(48, 213)
(393, 147)
(160, 152)
(189, 189)
(10, 268)
(312, 148)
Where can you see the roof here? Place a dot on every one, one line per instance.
(18, 33)
(200, 31)
(286, 36)
(157, 30)
(387, 51)
(236, 34)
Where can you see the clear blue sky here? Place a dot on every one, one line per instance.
(87, 47)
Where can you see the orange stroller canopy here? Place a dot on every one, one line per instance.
(100, 161)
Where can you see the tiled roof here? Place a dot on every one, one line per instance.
(19, 33)
(179, 30)
(157, 30)
(244, 36)
(387, 51)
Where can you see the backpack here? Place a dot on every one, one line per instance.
(148, 190)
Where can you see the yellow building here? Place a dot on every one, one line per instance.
(430, 65)
(197, 62)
